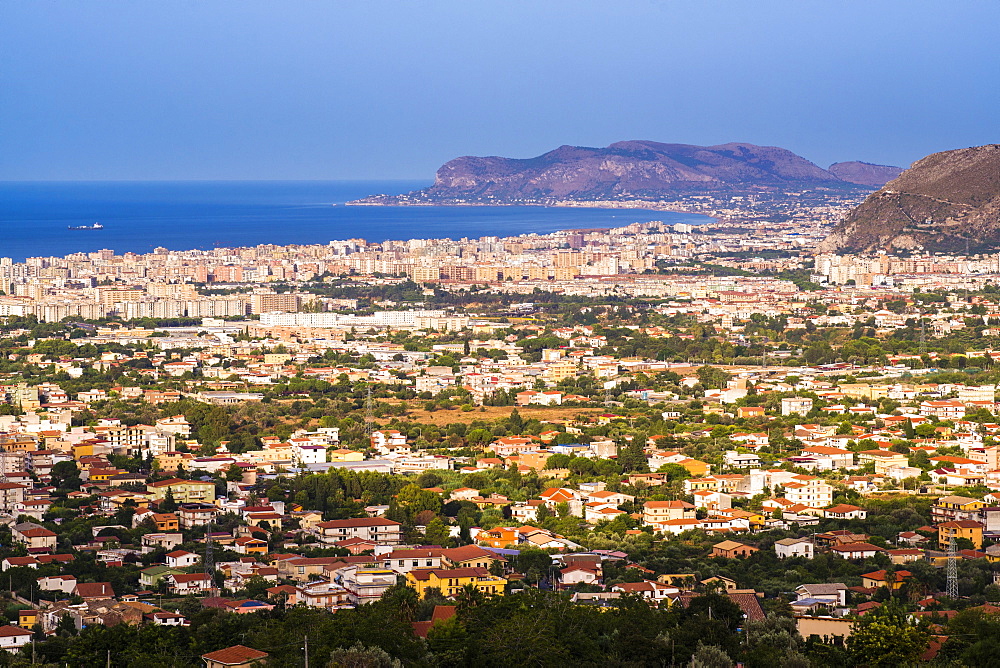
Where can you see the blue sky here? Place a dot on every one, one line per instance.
(338, 89)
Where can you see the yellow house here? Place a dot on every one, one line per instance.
(884, 579)
(81, 450)
(120, 497)
(103, 475)
(560, 370)
(27, 618)
(698, 484)
(756, 519)
(970, 529)
(307, 518)
(956, 508)
(864, 391)
(682, 580)
(654, 512)
(184, 491)
(882, 459)
(169, 461)
(533, 460)
(345, 455)
(451, 582)
(695, 467)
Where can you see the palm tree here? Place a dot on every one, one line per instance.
(469, 597)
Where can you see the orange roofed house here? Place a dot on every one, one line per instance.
(732, 549)
(237, 656)
(657, 512)
(499, 537)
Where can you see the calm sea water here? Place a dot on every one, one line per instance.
(139, 216)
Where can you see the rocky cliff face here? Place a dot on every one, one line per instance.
(623, 169)
(947, 202)
(864, 173)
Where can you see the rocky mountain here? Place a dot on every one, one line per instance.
(864, 173)
(624, 169)
(947, 202)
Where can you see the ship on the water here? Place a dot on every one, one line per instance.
(95, 226)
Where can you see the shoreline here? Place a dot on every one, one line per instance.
(560, 204)
(186, 217)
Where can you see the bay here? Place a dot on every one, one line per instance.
(139, 216)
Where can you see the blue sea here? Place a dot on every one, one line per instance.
(181, 215)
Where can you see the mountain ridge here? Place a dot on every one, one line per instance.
(947, 201)
(633, 168)
(864, 173)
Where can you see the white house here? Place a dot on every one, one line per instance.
(652, 591)
(572, 575)
(181, 559)
(946, 410)
(741, 460)
(793, 405)
(13, 638)
(809, 491)
(389, 440)
(795, 547)
(189, 583)
(856, 550)
(844, 511)
(63, 583)
(827, 457)
(833, 594)
(306, 453)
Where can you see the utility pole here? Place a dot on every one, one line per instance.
(307, 651)
(369, 416)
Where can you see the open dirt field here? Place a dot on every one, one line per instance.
(443, 417)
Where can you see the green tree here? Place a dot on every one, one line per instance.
(169, 504)
(632, 458)
(66, 475)
(885, 637)
(712, 378)
(710, 656)
(437, 532)
(448, 641)
(359, 656)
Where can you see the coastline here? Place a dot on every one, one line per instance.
(139, 217)
(632, 205)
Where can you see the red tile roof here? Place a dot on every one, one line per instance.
(235, 655)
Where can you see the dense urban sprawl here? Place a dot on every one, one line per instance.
(652, 445)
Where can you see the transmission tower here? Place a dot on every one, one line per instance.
(209, 558)
(952, 569)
